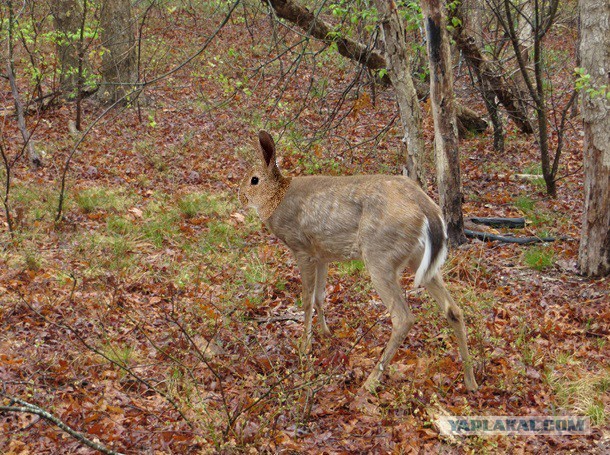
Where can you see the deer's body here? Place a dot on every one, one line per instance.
(387, 221)
(330, 230)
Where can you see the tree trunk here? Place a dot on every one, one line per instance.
(68, 17)
(525, 31)
(472, 19)
(397, 61)
(541, 116)
(468, 120)
(594, 254)
(544, 17)
(119, 61)
(33, 155)
(445, 126)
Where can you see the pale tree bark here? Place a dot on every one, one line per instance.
(119, 72)
(525, 30)
(594, 254)
(526, 37)
(397, 60)
(68, 18)
(442, 99)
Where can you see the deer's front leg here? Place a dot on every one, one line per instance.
(307, 267)
(320, 294)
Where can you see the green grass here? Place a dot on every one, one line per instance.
(118, 225)
(350, 268)
(123, 356)
(256, 271)
(100, 198)
(107, 252)
(581, 392)
(535, 169)
(539, 258)
(160, 229)
(193, 205)
(34, 202)
(538, 217)
(525, 204)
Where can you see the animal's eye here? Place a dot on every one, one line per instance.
(254, 180)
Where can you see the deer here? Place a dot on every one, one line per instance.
(387, 221)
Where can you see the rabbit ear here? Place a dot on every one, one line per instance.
(267, 147)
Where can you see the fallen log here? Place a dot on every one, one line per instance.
(512, 223)
(487, 237)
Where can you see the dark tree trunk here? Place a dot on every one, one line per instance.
(119, 73)
(445, 125)
(543, 18)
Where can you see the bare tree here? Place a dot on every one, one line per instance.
(305, 19)
(544, 12)
(398, 69)
(445, 126)
(366, 55)
(594, 254)
(490, 75)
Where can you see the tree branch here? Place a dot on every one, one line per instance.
(316, 27)
(33, 409)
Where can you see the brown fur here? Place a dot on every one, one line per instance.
(387, 221)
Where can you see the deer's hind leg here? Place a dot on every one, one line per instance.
(453, 313)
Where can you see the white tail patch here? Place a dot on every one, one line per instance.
(428, 268)
(424, 240)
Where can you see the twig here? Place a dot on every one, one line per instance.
(33, 409)
(7, 189)
(116, 363)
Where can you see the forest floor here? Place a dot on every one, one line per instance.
(159, 316)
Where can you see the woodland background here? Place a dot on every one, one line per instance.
(151, 313)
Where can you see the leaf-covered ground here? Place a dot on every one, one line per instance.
(160, 317)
